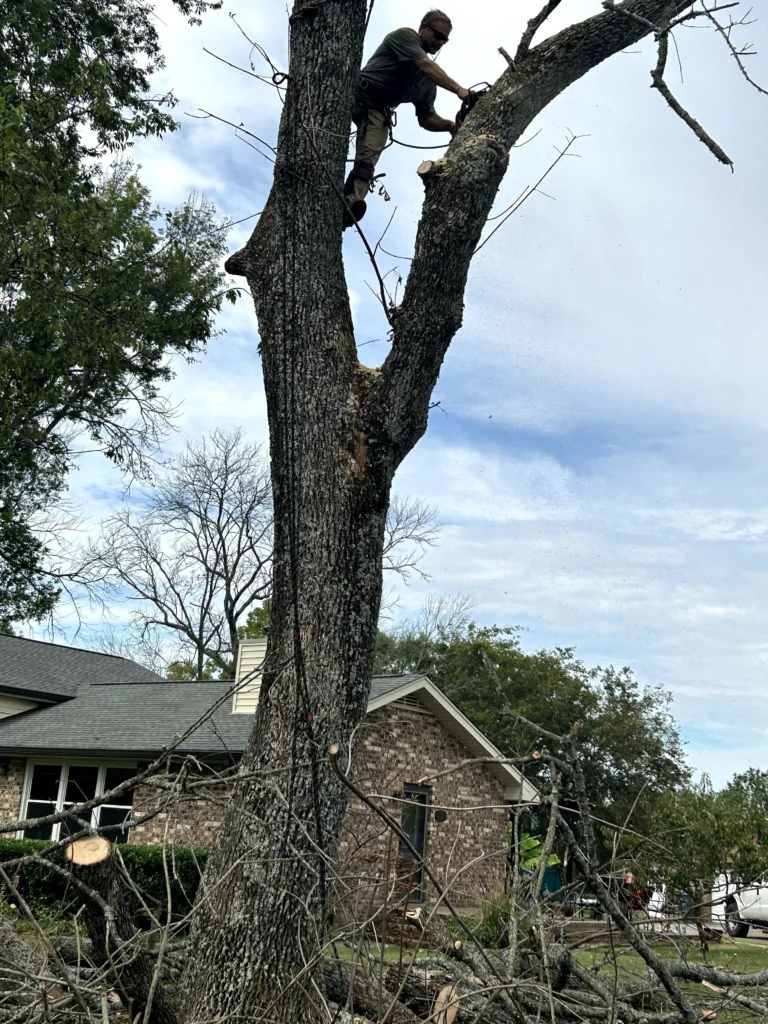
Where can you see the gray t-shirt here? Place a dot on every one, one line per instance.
(391, 77)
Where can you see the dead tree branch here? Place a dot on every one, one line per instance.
(533, 27)
(735, 53)
(657, 75)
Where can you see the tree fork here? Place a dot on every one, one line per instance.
(338, 431)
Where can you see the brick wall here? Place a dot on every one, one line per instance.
(11, 783)
(396, 746)
(467, 851)
(190, 821)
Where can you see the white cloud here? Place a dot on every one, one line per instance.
(599, 454)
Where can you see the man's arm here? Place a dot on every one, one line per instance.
(435, 123)
(436, 74)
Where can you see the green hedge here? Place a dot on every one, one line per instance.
(50, 892)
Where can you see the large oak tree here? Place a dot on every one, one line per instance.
(338, 432)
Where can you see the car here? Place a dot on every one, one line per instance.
(745, 907)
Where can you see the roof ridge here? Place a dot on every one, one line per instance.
(163, 682)
(69, 647)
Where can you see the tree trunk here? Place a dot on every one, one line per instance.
(115, 937)
(265, 896)
(338, 431)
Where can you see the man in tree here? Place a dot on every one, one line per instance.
(400, 71)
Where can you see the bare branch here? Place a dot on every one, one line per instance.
(657, 74)
(412, 524)
(532, 28)
(736, 54)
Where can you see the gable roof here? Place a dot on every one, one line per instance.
(382, 685)
(51, 672)
(139, 719)
(395, 688)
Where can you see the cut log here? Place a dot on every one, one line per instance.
(366, 1000)
(75, 953)
(114, 936)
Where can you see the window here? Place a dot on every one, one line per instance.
(414, 825)
(56, 787)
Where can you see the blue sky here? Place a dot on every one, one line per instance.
(599, 454)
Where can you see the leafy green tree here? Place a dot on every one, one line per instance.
(701, 833)
(629, 742)
(257, 622)
(97, 289)
(182, 671)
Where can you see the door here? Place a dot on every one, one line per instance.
(414, 825)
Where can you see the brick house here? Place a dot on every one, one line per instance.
(74, 724)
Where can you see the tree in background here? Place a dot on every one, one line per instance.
(630, 744)
(700, 834)
(198, 556)
(195, 562)
(97, 289)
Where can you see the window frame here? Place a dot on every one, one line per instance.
(410, 793)
(65, 763)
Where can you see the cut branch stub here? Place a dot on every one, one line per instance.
(90, 850)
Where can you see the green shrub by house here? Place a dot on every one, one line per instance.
(152, 869)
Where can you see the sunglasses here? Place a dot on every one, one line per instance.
(439, 36)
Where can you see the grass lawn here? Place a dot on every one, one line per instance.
(391, 952)
(743, 955)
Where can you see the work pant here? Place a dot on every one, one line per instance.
(372, 137)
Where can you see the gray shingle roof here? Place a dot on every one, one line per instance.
(383, 684)
(130, 719)
(137, 719)
(34, 668)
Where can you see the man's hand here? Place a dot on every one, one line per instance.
(462, 93)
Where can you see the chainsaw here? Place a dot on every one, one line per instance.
(469, 101)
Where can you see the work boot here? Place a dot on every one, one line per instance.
(354, 210)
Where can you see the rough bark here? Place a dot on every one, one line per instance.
(20, 966)
(116, 940)
(338, 431)
(367, 998)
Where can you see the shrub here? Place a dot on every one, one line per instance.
(52, 895)
(492, 931)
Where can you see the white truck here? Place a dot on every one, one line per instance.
(740, 907)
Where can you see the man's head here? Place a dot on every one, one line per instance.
(434, 30)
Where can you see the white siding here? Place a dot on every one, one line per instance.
(14, 705)
(249, 659)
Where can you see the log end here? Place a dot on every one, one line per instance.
(90, 850)
(425, 167)
(446, 1006)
